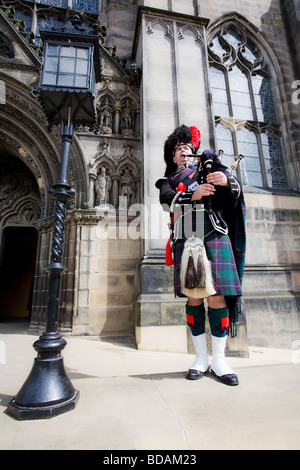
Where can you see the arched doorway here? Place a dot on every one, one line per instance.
(18, 246)
(19, 210)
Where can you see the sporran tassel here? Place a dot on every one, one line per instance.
(191, 276)
(201, 270)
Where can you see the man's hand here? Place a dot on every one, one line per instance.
(218, 178)
(205, 189)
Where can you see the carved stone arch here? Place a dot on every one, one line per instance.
(48, 12)
(159, 22)
(9, 145)
(248, 34)
(20, 202)
(129, 94)
(129, 175)
(23, 129)
(25, 212)
(107, 162)
(130, 165)
(183, 29)
(248, 30)
(103, 156)
(23, 133)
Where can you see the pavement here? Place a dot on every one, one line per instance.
(133, 400)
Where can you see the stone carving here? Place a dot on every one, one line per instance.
(29, 213)
(106, 116)
(15, 186)
(127, 118)
(102, 187)
(114, 180)
(118, 113)
(127, 188)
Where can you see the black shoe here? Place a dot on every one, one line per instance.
(227, 379)
(193, 374)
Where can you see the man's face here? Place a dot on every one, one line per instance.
(182, 155)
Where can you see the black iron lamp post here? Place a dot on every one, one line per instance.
(67, 90)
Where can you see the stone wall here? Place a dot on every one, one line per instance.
(272, 280)
(105, 276)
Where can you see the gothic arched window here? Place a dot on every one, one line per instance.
(245, 115)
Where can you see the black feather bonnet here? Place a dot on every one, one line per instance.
(181, 135)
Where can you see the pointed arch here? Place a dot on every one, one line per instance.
(23, 131)
(182, 30)
(166, 26)
(249, 55)
(249, 30)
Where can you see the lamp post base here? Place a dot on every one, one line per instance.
(47, 391)
(23, 413)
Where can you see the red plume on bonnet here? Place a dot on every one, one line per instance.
(196, 136)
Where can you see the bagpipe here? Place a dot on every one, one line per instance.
(195, 274)
(235, 164)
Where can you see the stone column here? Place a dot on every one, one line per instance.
(115, 191)
(92, 179)
(116, 123)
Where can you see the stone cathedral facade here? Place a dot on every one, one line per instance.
(230, 68)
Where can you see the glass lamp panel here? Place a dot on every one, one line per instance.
(49, 79)
(82, 53)
(66, 65)
(80, 81)
(68, 51)
(52, 50)
(82, 67)
(65, 80)
(51, 64)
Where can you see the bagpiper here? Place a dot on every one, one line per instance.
(207, 245)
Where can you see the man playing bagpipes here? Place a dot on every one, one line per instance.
(207, 245)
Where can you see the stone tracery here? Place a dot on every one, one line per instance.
(114, 177)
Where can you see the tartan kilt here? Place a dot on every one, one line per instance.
(220, 254)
